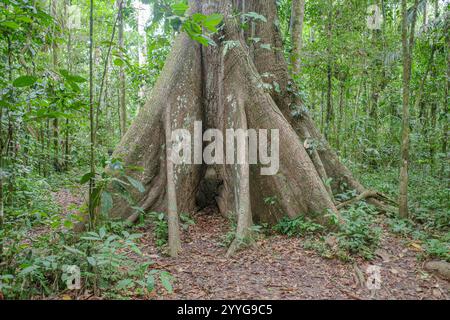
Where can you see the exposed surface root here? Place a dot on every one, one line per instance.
(362, 196)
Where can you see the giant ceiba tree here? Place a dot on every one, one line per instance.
(225, 86)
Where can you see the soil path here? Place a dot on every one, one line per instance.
(280, 268)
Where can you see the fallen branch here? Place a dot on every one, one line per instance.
(441, 268)
(376, 198)
(362, 196)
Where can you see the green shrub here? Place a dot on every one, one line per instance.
(297, 227)
(107, 259)
(359, 234)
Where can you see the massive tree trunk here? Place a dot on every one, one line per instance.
(222, 86)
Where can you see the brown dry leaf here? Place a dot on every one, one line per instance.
(383, 254)
(437, 293)
(394, 271)
(416, 246)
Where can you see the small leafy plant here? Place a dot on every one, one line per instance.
(113, 180)
(298, 227)
(359, 235)
(195, 24)
(109, 260)
(160, 231)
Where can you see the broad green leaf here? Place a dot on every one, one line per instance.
(198, 18)
(84, 179)
(150, 283)
(166, 278)
(255, 16)
(276, 86)
(180, 8)
(78, 79)
(124, 284)
(64, 73)
(137, 184)
(91, 238)
(5, 104)
(230, 44)
(74, 251)
(10, 24)
(102, 232)
(68, 224)
(28, 270)
(119, 62)
(92, 261)
(212, 21)
(24, 81)
(74, 86)
(72, 79)
(107, 202)
(24, 19)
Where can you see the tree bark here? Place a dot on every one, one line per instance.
(297, 17)
(446, 100)
(1, 183)
(122, 83)
(432, 132)
(407, 62)
(91, 117)
(172, 207)
(56, 142)
(330, 111)
(224, 89)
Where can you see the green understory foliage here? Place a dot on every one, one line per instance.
(358, 236)
(429, 225)
(160, 226)
(36, 263)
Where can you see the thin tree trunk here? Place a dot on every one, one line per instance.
(418, 105)
(66, 158)
(432, 132)
(425, 12)
(67, 146)
(10, 145)
(2, 173)
(377, 85)
(122, 84)
(172, 207)
(297, 18)
(446, 101)
(407, 63)
(91, 118)
(56, 142)
(330, 111)
(3, 146)
(105, 67)
(341, 111)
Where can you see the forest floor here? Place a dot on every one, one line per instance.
(278, 267)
